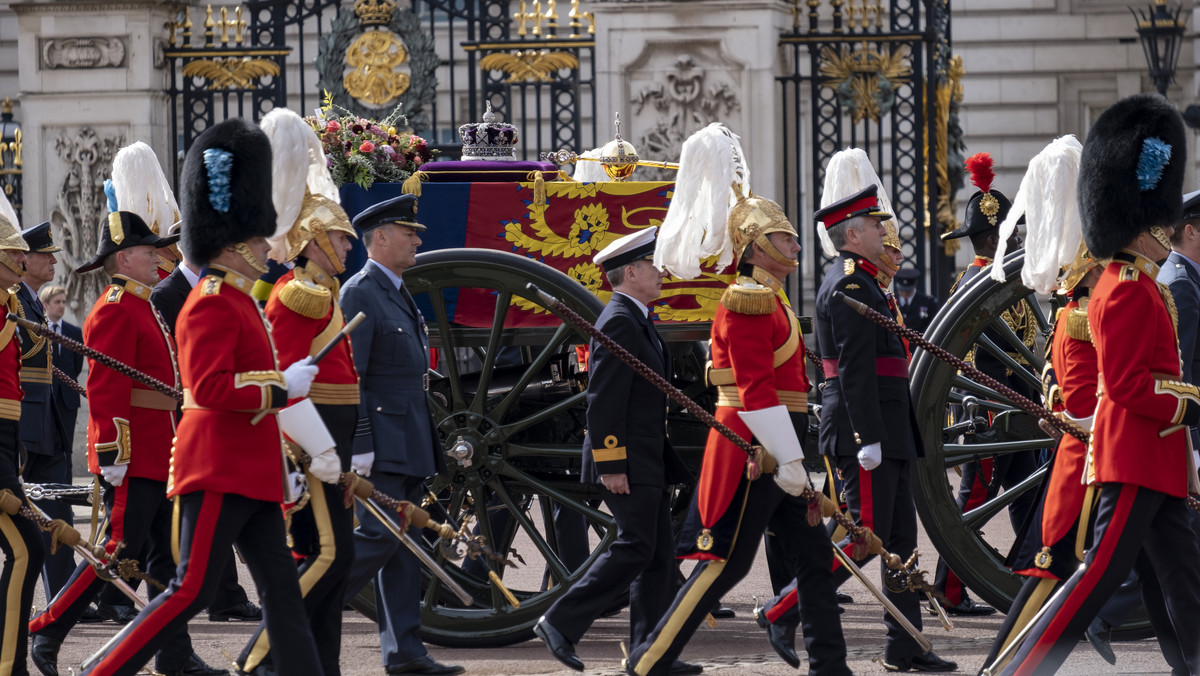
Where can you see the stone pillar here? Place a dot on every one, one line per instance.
(671, 68)
(93, 79)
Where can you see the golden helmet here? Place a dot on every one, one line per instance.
(1078, 269)
(10, 239)
(319, 216)
(751, 220)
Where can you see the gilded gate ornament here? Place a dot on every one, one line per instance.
(865, 80)
(375, 55)
(530, 65)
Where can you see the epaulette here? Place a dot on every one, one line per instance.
(211, 286)
(114, 294)
(306, 298)
(747, 297)
(1128, 273)
(1077, 325)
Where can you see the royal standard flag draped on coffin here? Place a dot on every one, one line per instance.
(576, 221)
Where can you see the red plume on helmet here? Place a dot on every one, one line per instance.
(980, 166)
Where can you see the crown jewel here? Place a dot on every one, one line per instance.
(374, 12)
(489, 140)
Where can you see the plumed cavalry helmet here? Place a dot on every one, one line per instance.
(751, 220)
(141, 188)
(305, 197)
(226, 174)
(10, 236)
(1131, 172)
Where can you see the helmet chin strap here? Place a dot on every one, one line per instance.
(248, 256)
(326, 245)
(11, 263)
(1161, 237)
(767, 247)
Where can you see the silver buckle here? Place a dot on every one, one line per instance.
(425, 381)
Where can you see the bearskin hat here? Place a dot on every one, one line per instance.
(1131, 172)
(226, 189)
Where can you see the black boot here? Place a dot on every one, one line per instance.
(44, 651)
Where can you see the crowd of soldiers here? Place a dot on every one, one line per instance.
(258, 363)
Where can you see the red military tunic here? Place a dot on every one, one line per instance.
(757, 363)
(127, 421)
(1073, 358)
(230, 374)
(1140, 390)
(305, 315)
(10, 362)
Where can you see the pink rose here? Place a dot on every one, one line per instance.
(367, 147)
(332, 125)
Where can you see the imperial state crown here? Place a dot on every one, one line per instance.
(489, 140)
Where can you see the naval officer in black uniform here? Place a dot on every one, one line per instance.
(627, 452)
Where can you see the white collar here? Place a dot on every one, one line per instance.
(192, 277)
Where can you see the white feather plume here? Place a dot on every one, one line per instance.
(589, 172)
(8, 213)
(846, 173)
(1054, 230)
(696, 225)
(142, 188)
(297, 166)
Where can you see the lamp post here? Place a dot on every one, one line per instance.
(1160, 32)
(11, 164)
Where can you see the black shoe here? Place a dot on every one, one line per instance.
(44, 652)
(927, 662)
(781, 637)
(720, 612)
(968, 607)
(196, 667)
(242, 612)
(90, 615)
(121, 614)
(558, 645)
(843, 597)
(1099, 634)
(681, 668)
(424, 665)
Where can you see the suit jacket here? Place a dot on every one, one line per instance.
(626, 415)
(1138, 360)
(1181, 277)
(39, 413)
(919, 311)
(860, 405)
(391, 354)
(71, 363)
(169, 295)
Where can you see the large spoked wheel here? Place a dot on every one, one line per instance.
(507, 401)
(976, 543)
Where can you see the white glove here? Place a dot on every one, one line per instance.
(296, 485)
(114, 474)
(362, 462)
(326, 466)
(299, 377)
(792, 477)
(870, 456)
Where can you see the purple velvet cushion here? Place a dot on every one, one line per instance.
(484, 171)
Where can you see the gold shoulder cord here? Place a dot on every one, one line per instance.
(38, 341)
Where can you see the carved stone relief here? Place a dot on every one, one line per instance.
(95, 52)
(86, 158)
(675, 91)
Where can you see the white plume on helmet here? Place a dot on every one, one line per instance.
(297, 166)
(141, 187)
(1048, 199)
(846, 173)
(8, 213)
(712, 176)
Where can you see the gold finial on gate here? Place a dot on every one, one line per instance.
(551, 18)
(521, 17)
(223, 24)
(536, 15)
(208, 27)
(238, 25)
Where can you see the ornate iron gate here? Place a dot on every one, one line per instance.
(537, 65)
(871, 73)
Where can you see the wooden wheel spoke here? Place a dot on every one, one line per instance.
(503, 299)
(979, 390)
(546, 413)
(976, 518)
(957, 454)
(549, 553)
(535, 367)
(593, 515)
(1009, 362)
(956, 397)
(442, 318)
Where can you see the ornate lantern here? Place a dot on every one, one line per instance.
(1160, 31)
(11, 164)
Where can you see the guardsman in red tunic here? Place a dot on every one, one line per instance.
(758, 369)
(130, 429)
(139, 186)
(20, 539)
(227, 466)
(305, 314)
(1130, 192)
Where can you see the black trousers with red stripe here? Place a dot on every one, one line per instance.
(767, 506)
(210, 524)
(140, 516)
(1134, 526)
